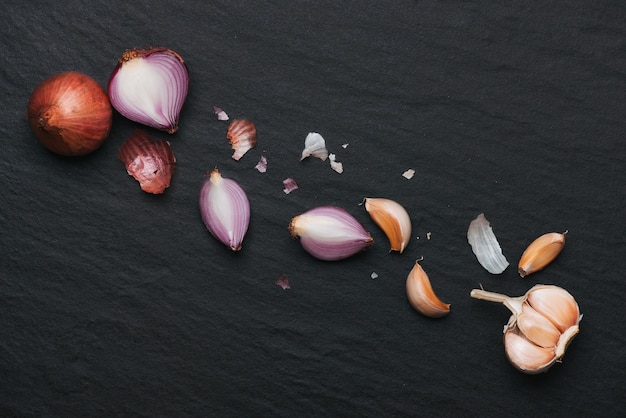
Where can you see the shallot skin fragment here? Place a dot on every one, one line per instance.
(243, 136)
(151, 162)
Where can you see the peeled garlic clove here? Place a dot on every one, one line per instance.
(393, 219)
(225, 210)
(537, 328)
(150, 86)
(421, 295)
(485, 246)
(541, 252)
(330, 233)
(314, 145)
(526, 356)
(556, 304)
(151, 162)
(242, 136)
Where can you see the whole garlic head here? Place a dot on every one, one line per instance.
(543, 323)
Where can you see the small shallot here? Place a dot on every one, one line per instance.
(330, 233)
(70, 114)
(485, 246)
(151, 162)
(225, 209)
(314, 145)
(149, 86)
(242, 136)
(421, 295)
(393, 219)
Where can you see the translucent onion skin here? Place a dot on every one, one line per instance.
(330, 233)
(70, 114)
(225, 210)
(149, 86)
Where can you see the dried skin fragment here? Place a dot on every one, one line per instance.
(151, 162)
(242, 135)
(334, 164)
(314, 145)
(408, 174)
(261, 166)
(283, 281)
(290, 185)
(221, 115)
(485, 245)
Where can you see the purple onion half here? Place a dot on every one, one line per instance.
(149, 86)
(330, 233)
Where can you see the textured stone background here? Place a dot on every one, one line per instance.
(117, 303)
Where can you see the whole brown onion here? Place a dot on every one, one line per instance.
(70, 114)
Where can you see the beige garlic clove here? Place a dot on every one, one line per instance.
(543, 323)
(541, 252)
(537, 328)
(393, 219)
(421, 295)
(555, 304)
(526, 356)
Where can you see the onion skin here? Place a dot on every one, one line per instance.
(70, 114)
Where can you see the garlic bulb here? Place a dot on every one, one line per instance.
(544, 322)
(421, 295)
(393, 219)
(541, 252)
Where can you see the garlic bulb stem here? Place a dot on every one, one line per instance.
(514, 304)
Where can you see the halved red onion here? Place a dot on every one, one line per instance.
(330, 233)
(225, 209)
(149, 86)
(242, 136)
(150, 161)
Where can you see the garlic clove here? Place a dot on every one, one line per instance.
(314, 145)
(485, 245)
(541, 252)
(526, 356)
(242, 135)
(151, 162)
(330, 233)
(393, 219)
(537, 328)
(225, 210)
(149, 86)
(421, 295)
(556, 304)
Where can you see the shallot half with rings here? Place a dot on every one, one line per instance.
(149, 86)
(225, 209)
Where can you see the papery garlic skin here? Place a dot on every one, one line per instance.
(485, 245)
(421, 295)
(330, 233)
(393, 219)
(314, 145)
(541, 252)
(225, 210)
(543, 323)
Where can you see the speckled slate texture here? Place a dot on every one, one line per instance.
(114, 302)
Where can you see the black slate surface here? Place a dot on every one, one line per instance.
(114, 302)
